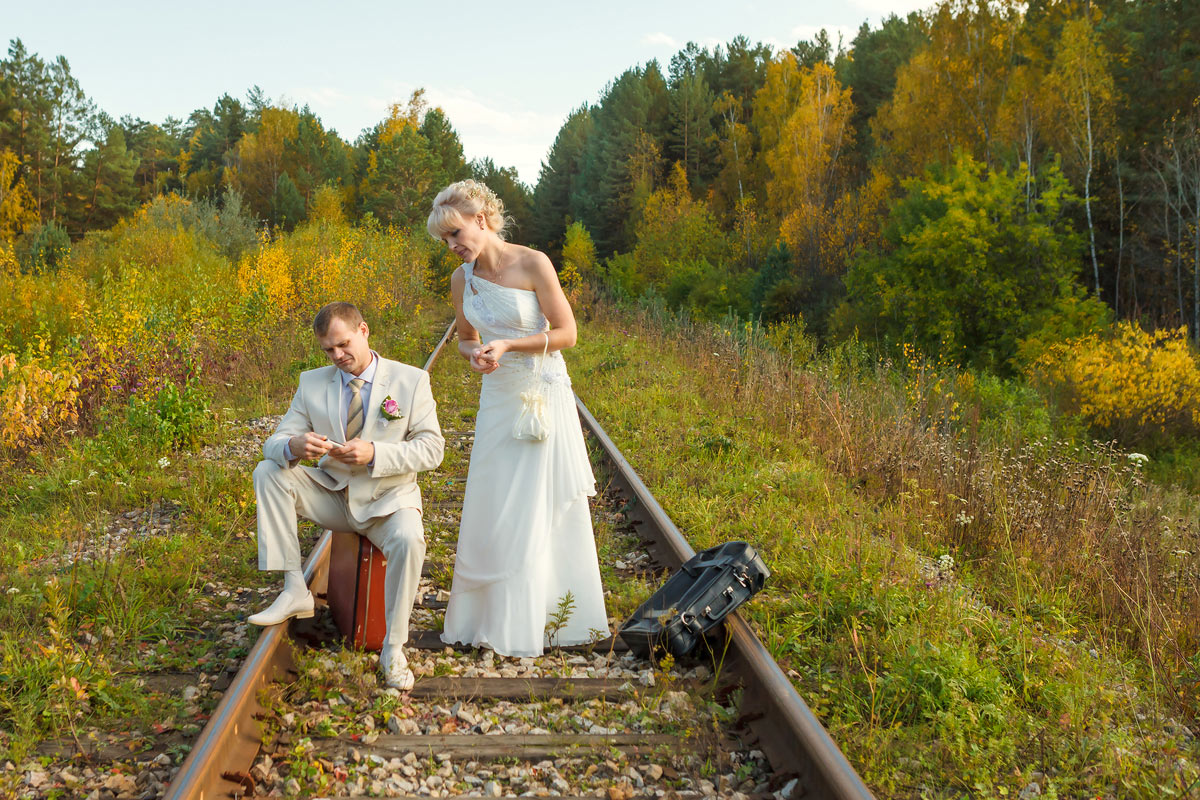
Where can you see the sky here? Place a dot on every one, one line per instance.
(506, 74)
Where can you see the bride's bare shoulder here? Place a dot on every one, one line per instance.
(530, 261)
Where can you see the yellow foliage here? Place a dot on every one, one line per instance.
(1129, 383)
(153, 302)
(327, 205)
(269, 270)
(17, 211)
(401, 117)
(35, 396)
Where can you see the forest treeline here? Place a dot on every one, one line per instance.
(984, 181)
(67, 167)
(958, 179)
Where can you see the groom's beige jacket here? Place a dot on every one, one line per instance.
(403, 447)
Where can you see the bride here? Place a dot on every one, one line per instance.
(525, 540)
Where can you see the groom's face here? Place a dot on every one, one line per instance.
(346, 345)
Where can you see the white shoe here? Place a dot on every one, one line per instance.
(286, 606)
(396, 673)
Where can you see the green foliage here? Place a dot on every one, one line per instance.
(109, 193)
(681, 252)
(42, 248)
(970, 265)
(1071, 316)
(516, 196)
(556, 186)
(621, 157)
(578, 254)
(171, 416)
(871, 73)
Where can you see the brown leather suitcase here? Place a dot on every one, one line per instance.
(355, 591)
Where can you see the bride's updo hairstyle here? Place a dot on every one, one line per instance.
(458, 203)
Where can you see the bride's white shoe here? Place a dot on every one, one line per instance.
(286, 606)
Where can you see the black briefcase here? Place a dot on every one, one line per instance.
(695, 599)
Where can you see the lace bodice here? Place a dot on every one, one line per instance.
(501, 312)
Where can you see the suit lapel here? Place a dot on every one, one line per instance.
(380, 388)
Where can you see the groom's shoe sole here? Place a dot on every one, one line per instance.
(299, 613)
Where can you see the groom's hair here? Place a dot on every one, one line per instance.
(346, 312)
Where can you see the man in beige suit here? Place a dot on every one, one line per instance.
(372, 423)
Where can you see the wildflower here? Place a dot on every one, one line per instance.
(1138, 459)
(945, 562)
(13, 590)
(164, 462)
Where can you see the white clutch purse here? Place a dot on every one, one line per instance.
(533, 423)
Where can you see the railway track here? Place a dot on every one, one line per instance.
(579, 721)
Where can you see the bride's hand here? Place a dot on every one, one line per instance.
(482, 362)
(493, 350)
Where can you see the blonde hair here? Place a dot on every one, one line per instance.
(460, 202)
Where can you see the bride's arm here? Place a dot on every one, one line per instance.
(554, 305)
(469, 344)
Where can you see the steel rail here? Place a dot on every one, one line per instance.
(219, 762)
(788, 733)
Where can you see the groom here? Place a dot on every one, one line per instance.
(373, 424)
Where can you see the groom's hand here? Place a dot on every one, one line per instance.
(355, 452)
(309, 445)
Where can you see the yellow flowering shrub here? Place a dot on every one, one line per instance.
(36, 395)
(163, 301)
(1128, 383)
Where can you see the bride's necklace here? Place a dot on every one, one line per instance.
(494, 270)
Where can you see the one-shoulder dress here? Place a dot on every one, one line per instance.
(525, 539)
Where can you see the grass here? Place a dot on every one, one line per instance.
(949, 650)
(76, 633)
(969, 603)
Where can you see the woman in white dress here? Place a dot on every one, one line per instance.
(525, 539)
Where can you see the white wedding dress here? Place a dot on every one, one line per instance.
(526, 534)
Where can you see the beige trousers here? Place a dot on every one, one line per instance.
(285, 495)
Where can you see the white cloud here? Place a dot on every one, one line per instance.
(660, 40)
(494, 127)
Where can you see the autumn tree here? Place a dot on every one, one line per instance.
(1083, 86)
(17, 210)
(967, 269)
(875, 56)
(211, 137)
(399, 173)
(950, 94)
(680, 252)
(45, 118)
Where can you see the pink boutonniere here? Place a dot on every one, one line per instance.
(390, 409)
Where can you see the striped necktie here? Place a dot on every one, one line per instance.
(354, 417)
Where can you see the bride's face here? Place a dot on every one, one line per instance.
(468, 239)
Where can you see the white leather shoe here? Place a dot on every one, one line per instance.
(396, 673)
(286, 606)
